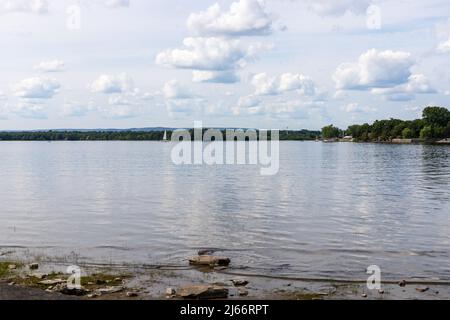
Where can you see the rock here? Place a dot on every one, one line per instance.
(93, 295)
(239, 283)
(132, 295)
(12, 267)
(364, 295)
(402, 283)
(52, 282)
(381, 291)
(109, 290)
(422, 290)
(33, 266)
(242, 292)
(117, 280)
(100, 282)
(209, 261)
(170, 293)
(11, 283)
(71, 291)
(38, 275)
(203, 292)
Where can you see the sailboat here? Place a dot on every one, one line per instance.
(165, 137)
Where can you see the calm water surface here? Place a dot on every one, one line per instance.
(333, 210)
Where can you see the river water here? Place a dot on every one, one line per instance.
(330, 212)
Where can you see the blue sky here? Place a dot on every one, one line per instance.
(249, 63)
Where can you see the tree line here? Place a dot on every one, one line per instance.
(435, 124)
(298, 135)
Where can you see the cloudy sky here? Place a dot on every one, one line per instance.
(240, 63)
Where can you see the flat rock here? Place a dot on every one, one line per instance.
(52, 282)
(12, 267)
(38, 275)
(209, 261)
(109, 290)
(203, 292)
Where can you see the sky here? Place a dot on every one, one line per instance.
(271, 64)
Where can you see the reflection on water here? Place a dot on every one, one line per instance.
(333, 210)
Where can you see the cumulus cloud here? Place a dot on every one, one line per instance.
(26, 6)
(374, 69)
(110, 84)
(267, 85)
(36, 88)
(213, 54)
(444, 47)
(244, 17)
(339, 7)
(50, 66)
(417, 84)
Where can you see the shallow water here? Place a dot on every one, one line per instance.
(333, 209)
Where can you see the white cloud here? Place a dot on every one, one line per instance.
(244, 17)
(36, 88)
(214, 54)
(29, 109)
(174, 90)
(27, 6)
(109, 84)
(50, 66)
(374, 69)
(119, 100)
(266, 85)
(117, 3)
(214, 76)
(357, 108)
(444, 47)
(339, 7)
(417, 84)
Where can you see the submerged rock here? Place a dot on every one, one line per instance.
(402, 283)
(132, 294)
(239, 282)
(203, 292)
(33, 266)
(209, 261)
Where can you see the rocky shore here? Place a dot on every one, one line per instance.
(205, 276)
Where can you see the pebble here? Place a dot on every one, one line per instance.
(242, 292)
(132, 294)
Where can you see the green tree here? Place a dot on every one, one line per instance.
(330, 132)
(426, 133)
(436, 116)
(407, 133)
